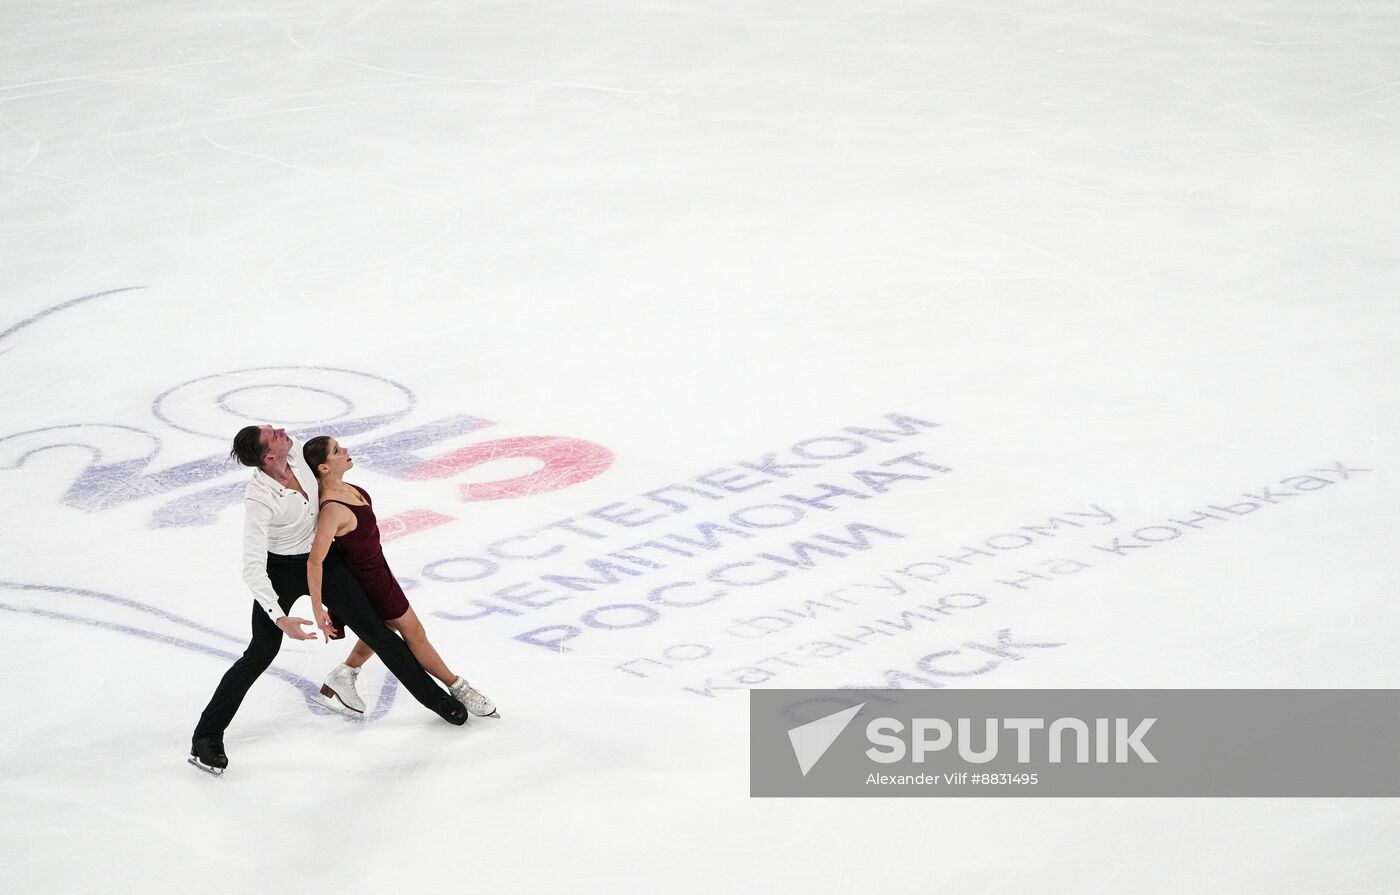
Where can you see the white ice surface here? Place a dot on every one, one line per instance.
(1133, 254)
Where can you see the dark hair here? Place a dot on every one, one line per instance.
(248, 448)
(315, 451)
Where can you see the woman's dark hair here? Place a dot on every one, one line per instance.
(315, 451)
(248, 446)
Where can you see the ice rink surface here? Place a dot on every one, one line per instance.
(1088, 267)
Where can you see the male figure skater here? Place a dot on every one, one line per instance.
(280, 508)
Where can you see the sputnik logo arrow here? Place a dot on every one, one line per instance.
(811, 740)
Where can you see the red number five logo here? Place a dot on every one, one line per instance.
(564, 462)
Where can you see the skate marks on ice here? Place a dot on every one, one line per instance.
(309, 690)
(61, 306)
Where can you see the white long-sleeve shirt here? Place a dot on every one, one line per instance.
(276, 520)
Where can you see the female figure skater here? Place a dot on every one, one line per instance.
(347, 517)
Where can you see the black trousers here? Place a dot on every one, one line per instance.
(346, 600)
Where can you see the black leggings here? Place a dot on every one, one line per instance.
(346, 600)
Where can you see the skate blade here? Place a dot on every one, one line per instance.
(334, 701)
(217, 772)
(492, 715)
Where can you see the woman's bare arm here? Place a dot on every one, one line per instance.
(328, 525)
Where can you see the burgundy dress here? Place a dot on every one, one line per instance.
(365, 558)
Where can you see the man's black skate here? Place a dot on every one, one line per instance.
(207, 754)
(452, 711)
